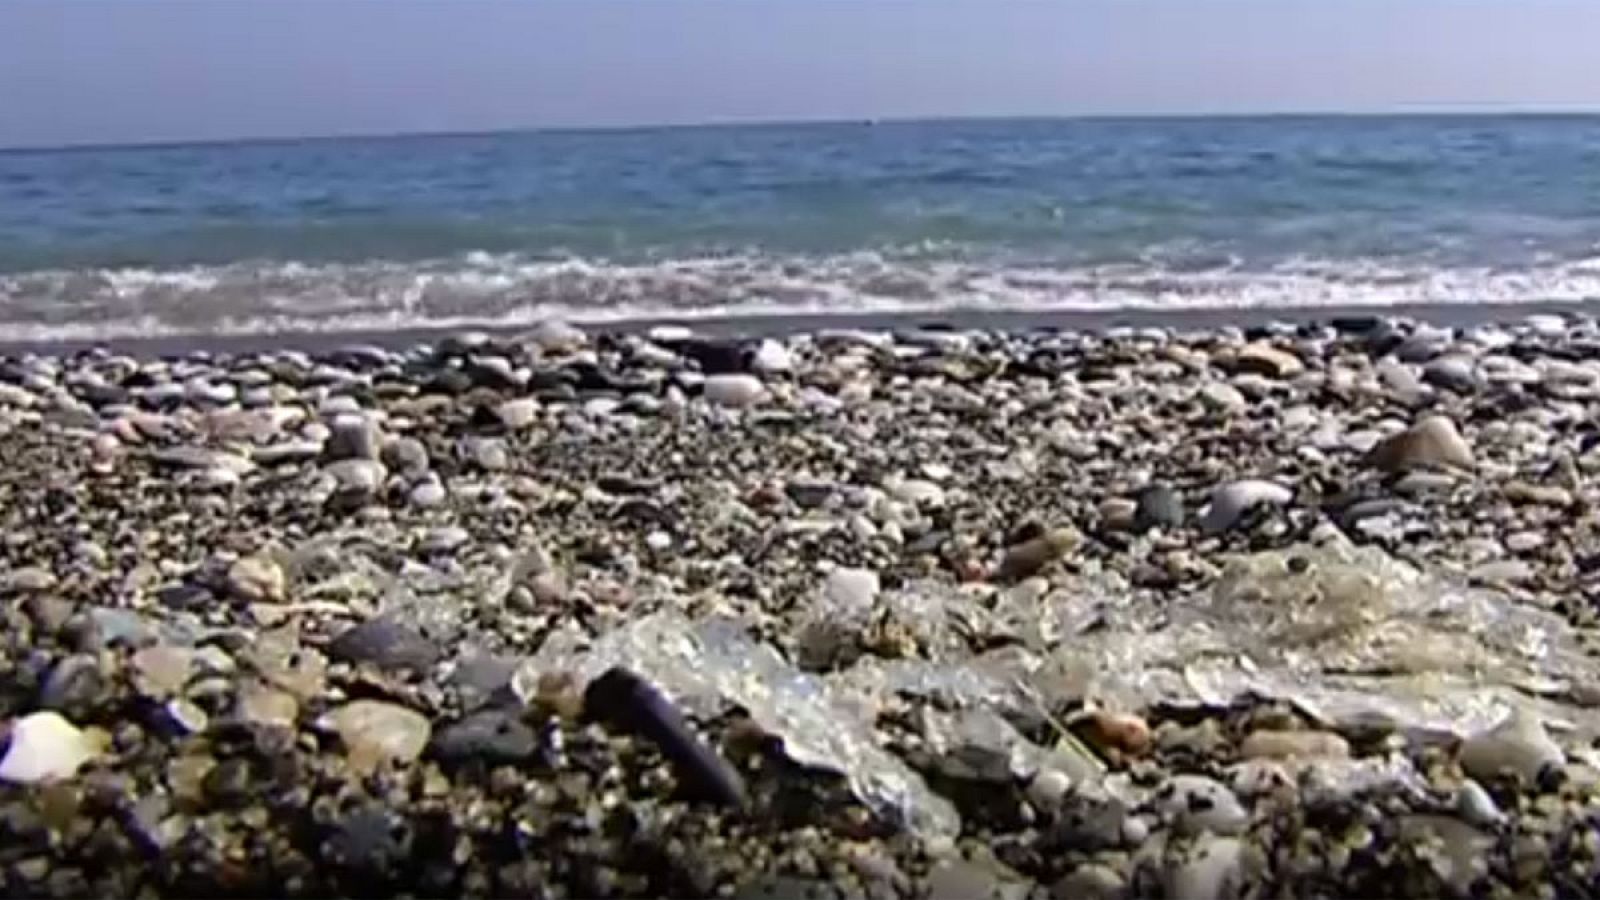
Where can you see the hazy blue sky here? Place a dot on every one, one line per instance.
(133, 70)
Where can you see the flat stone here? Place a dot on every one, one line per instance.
(1159, 506)
(1432, 442)
(266, 707)
(385, 643)
(1265, 359)
(257, 579)
(161, 671)
(1273, 744)
(1197, 803)
(518, 414)
(493, 736)
(405, 455)
(374, 731)
(353, 437)
(1518, 744)
(357, 476)
(1230, 502)
(1537, 494)
(734, 390)
(45, 747)
(1222, 397)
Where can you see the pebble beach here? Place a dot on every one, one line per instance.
(1287, 610)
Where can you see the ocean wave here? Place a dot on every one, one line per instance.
(485, 290)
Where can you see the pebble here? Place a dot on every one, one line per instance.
(1433, 441)
(1028, 557)
(405, 455)
(352, 437)
(1195, 803)
(1265, 359)
(494, 736)
(734, 390)
(161, 671)
(1271, 744)
(266, 707)
(1159, 506)
(1208, 870)
(1230, 502)
(1518, 744)
(518, 414)
(362, 477)
(257, 579)
(45, 747)
(1222, 397)
(386, 643)
(375, 731)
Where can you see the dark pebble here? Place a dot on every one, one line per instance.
(73, 684)
(369, 839)
(384, 643)
(494, 736)
(630, 703)
(1159, 506)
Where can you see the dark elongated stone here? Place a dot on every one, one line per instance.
(633, 704)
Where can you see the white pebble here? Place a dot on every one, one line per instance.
(45, 747)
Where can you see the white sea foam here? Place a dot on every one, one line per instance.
(489, 290)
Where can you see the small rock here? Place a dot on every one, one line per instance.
(1159, 506)
(1208, 870)
(1118, 513)
(1476, 807)
(1432, 442)
(352, 437)
(1230, 502)
(266, 707)
(1265, 359)
(1030, 556)
(161, 671)
(1196, 803)
(494, 736)
(361, 477)
(427, 493)
(734, 390)
(1091, 881)
(771, 357)
(1537, 494)
(555, 336)
(26, 580)
(518, 414)
(405, 455)
(257, 579)
(385, 643)
(444, 540)
(369, 839)
(1222, 397)
(374, 731)
(1048, 788)
(45, 747)
(73, 684)
(1274, 744)
(1519, 744)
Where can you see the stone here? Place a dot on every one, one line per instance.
(961, 879)
(405, 455)
(375, 731)
(1118, 513)
(487, 454)
(386, 643)
(493, 736)
(1264, 359)
(518, 413)
(257, 579)
(73, 684)
(1159, 506)
(427, 494)
(556, 336)
(1453, 373)
(771, 357)
(1432, 442)
(1030, 556)
(369, 839)
(352, 436)
(1230, 502)
(45, 747)
(1091, 881)
(1197, 803)
(262, 706)
(1518, 744)
(161, 671)
(734, 390)
(361, 477)
(1210, 869)
(1537, 494)
(1476, 807)
(1275, 744)
(1220, 396)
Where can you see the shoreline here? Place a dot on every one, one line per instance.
(783, 324)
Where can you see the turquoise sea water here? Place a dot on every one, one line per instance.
(328, 235)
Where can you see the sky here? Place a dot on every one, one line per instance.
(123, 71)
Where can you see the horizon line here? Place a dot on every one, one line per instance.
(1450, 111)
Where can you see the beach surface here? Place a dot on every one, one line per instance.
(1170, 604)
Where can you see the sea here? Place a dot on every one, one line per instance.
(329, 236)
